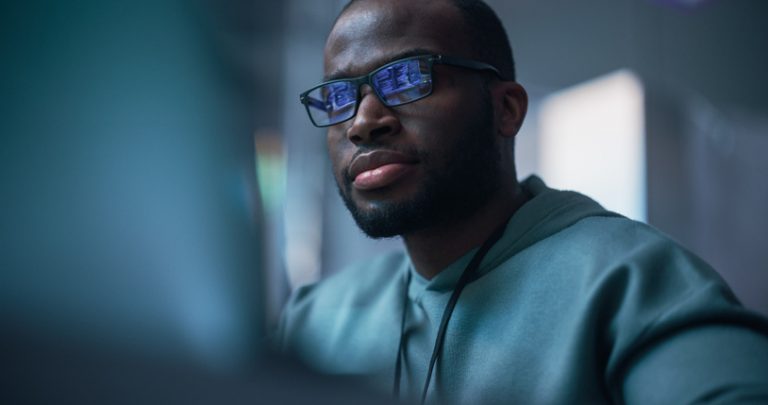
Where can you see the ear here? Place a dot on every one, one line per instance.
(511, 103)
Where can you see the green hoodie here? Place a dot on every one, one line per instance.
(574, 304)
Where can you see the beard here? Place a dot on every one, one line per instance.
(468, 178)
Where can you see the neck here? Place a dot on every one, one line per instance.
(433, 249)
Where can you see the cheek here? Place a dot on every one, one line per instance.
(336, 152)
(438, 127)
(441, 113)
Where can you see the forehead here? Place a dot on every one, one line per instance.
(373, 32)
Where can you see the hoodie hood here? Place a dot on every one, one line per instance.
(547, 212)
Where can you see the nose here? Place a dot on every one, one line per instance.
(373, 120)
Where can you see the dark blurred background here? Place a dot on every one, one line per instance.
(163, 190)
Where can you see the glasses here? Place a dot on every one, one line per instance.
(396, 83)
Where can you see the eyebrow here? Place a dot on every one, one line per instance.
(345, 74)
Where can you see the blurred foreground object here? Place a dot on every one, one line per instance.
(129, 210)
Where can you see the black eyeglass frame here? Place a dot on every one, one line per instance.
(366, 79)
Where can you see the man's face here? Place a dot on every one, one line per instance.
(407, 168)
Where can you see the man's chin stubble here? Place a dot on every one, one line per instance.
(439, 202)
(387, 220)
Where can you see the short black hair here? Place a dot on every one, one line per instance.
(487, 34)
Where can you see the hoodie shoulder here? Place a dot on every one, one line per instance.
(358, 285)
(357, 280)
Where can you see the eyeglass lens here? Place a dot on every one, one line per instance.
(395, 84)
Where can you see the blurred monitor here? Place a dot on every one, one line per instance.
(130, 218)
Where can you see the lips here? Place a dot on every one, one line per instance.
(380, 168)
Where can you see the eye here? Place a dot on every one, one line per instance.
(338, 95)
(403, 82)
(398, 77)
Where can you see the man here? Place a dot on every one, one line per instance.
(507, 292)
